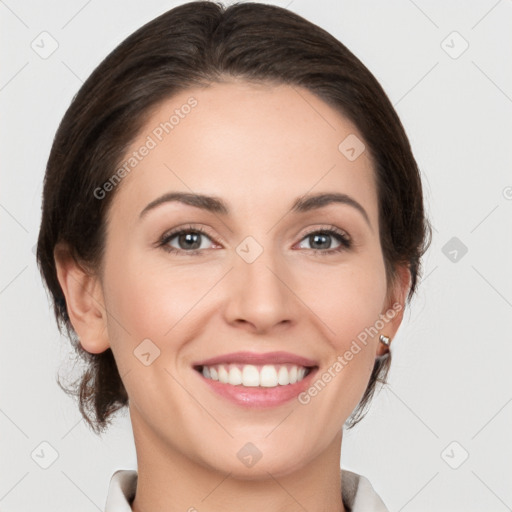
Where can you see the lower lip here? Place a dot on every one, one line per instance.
(259, 397)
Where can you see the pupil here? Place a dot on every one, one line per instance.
(190, 238)
(325, 245)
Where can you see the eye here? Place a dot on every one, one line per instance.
(189, 240)
(321, 240)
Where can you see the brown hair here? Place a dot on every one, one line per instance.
(192, 45)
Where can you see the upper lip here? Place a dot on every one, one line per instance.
(258, 359)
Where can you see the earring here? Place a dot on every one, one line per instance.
(385, 339)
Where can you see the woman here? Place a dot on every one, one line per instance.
(232, 225)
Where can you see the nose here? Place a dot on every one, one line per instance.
(261, 293)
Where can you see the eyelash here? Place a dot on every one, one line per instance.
(345, 241)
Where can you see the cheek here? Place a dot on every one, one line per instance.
(348, 298)
(349, 301)
(150, 303)
(150, 300)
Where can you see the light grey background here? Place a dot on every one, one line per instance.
(450, 387)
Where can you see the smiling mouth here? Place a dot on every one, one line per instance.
(250, 375)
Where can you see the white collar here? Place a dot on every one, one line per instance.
(357, 492)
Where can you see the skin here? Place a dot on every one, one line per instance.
(258, 147)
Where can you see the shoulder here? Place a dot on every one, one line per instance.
(358, 493)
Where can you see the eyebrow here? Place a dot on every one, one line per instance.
(214, 204)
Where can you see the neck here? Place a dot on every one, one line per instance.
(170, 480)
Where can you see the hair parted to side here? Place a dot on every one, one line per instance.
(195, 44)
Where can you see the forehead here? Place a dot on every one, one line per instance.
(248, 143)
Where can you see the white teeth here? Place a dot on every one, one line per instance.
(268, 376)
(223, 375)
(250, 376)
(234, 376)
(283, 376)
(293, 375)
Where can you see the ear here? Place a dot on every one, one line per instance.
(84, 300)
(394, 306)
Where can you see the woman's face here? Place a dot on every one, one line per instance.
(252, 282)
